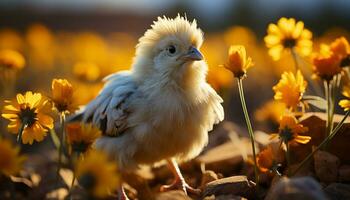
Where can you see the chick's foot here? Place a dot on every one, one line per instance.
(179, 182)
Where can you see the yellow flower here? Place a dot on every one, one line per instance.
(326, 64)
(341, 48)
(81, 136)
(97, 174)
(288, 34)
(271, 111)
(289, 131)
(269, 158)
(238, 62)
(11, 59)
(10, 160)
(290, 89)
(62, 95)
(345, 103)
(86, 71)
(28, 111)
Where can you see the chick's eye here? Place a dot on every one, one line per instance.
(172, 49)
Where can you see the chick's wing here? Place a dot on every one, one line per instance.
(110, 109)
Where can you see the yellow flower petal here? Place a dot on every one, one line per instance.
(288, 33)
(45, 120)
(31, 110)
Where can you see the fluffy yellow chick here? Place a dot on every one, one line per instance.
(163, 108)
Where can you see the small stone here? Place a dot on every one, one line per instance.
(326, 166)
(224, 197)
(172, 195)
(208, 176)
(296, 188)
(336, 191)
(221, 134)
(344, 173)
(234, 185)
(227, 157)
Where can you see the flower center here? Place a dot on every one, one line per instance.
(289, 43)
(28, 116)
(345, 62)
(286, 134)
(80, 146)
(88, 181)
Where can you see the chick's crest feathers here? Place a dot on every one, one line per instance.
(178, 27)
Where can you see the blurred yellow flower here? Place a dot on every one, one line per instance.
(62, 95)
(86, 71)
(290, 130)
(269, 158)
(214, 52)
(326, 64)
(97, 174)
(238, 62)
(265, 160)
(219, 77)
(345, 103)
(29, 112)
(239, 35)
(86, 91)
(10, 160)
(42, 46)
(10, 39)
(90, 47)
(341, 48)
(271, 111)
(81, 136)
(11, 59)
(288, 34)
(290, 89)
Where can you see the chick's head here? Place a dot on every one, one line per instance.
(170, 46)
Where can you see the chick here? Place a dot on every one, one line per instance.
(163, 108)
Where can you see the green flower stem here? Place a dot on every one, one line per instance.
(75, 156)
(55, 139)
(332, 101)
(296, 64)
(61, 146)
(249, 126)
(21, 129)
(288, 158)
(313, 86)
(328, 110)
(323, 143)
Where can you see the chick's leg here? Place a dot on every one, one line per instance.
(122, 194)
(179, 182)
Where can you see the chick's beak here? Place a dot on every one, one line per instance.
(192, 55)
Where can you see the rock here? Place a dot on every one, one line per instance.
(221, 134)
(172, 195)
(326, 166)
(224, 197)
(316, 123)
(60, 193)
(208, 176)
(234, 185)
(296, 188)
(344, 173)
(337, 191)
(227, 157)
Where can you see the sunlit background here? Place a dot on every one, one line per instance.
(85, 40)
